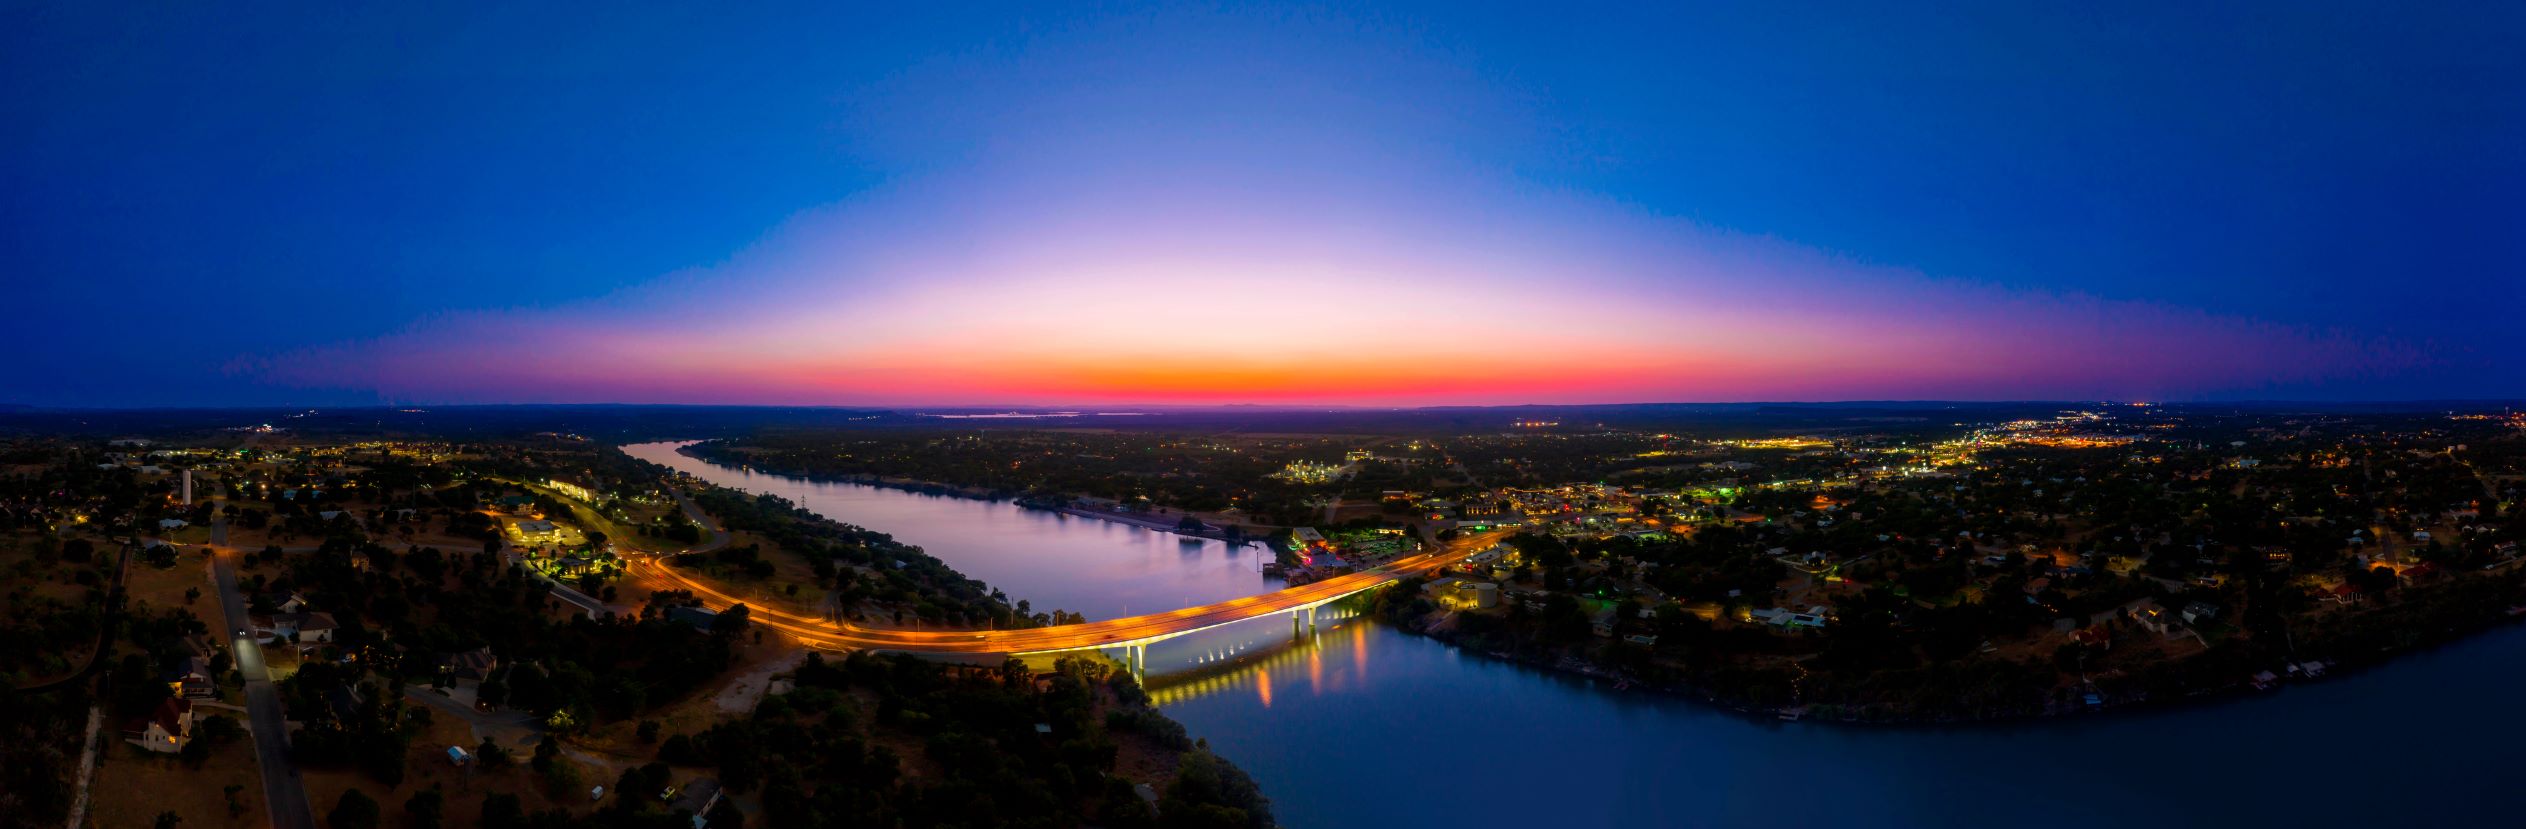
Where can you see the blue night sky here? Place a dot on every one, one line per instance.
(1027, 203)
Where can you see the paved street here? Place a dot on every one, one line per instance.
(284, 795)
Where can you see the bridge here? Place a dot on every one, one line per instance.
(1132, 634)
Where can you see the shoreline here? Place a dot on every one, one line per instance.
(1563, 663)
(974, 493)
(1566, 665)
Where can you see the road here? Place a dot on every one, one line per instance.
(284, 795)
(1102, 634)
(718, 534)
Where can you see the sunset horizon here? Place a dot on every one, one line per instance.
(1239, 414)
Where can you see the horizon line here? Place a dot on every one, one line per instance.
(1083, 408)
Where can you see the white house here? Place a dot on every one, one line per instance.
(164, 730)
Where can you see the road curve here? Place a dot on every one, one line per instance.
(1100, 634)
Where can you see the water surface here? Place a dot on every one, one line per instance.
(1357, 724)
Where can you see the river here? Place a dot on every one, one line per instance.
(1357, 724)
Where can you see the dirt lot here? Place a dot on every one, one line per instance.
(732, 697)
(152, 589)
(133, 785)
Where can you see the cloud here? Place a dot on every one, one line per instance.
(1200, 283)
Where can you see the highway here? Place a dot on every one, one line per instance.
(1101, 634)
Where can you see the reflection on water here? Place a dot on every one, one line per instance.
(1051, 560)
(1260, 666)
(1425, 732)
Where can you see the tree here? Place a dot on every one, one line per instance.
(732, 621)
(424, 807)
(725, 816)
(166, 820)
(492, 692)
(218, 729)
(501, 811)
(353, 811)
(491, 756)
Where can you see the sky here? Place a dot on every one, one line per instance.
(1379, 205)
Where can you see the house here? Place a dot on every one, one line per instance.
(172, 523)
(165, 730)
(1646, 639)
(695, 798)
(2199, 613)
(458, 756)
(1785, 618)
(694, 617)
(2344, 593)
(516, 504)
(1602, 622)
(191, 679)
(297, 627)
(2149, 615)
(315, 627)
(475, 664)
(285, 601)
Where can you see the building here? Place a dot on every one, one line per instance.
(697, 618)
(538, 530)
(286, 601)
(165, 730)
(695, 798)
(297, 627)
(1786, 618)
(191, 679)
(476, 664)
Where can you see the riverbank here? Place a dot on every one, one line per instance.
(1154, 755)
(1568, 660)
(1743, 680)
(1648, 758)
(1231, 533)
